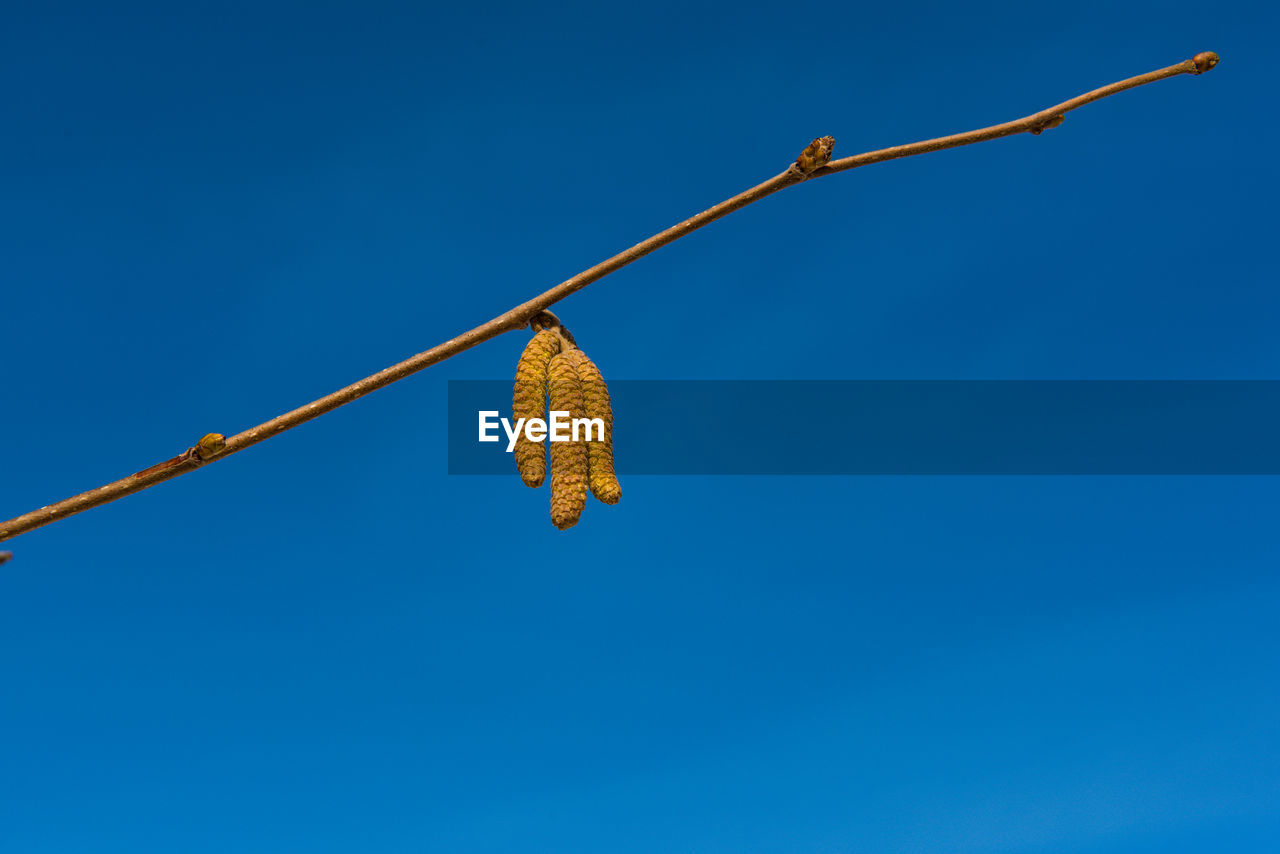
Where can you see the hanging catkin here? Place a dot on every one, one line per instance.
(595, 399)
(529, 401)
(568, 459)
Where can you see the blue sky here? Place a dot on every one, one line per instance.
(213, 213)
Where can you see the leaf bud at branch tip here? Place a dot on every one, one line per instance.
(1205, 61)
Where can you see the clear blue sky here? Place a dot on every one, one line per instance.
(212, 213)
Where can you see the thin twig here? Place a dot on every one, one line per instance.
(814, 162)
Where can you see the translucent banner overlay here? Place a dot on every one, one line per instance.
(910, 427)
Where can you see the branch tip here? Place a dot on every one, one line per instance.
(5, 557)
(816, 154)
(1205, 61)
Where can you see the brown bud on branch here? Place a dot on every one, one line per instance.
(1205, 61)
(816, 154)
(210, 445)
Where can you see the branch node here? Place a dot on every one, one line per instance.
(547, 320)
(815, 155)
(1051, 122)
(1205, 61)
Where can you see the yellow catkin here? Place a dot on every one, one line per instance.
(595, 398)
(529, 400)
(568, 459)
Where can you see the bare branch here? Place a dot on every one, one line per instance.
(813, 162)
(1035, 123)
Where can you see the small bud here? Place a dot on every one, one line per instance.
(816, 154)
(1053, 122)
(1205, 61)
(210, 445)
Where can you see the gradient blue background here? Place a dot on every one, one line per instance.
(212, 213)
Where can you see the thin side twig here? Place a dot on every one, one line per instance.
(814, 162)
